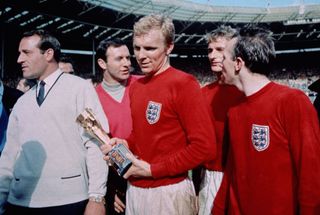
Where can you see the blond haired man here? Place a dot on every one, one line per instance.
(172, 131)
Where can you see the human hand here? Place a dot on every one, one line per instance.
(106, 148)
(95, 208)
(139, 168)
(119, 206)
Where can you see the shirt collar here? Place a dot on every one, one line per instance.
(51, 78)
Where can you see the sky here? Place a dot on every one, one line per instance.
(257, 3)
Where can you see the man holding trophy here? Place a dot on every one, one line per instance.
(172, 130)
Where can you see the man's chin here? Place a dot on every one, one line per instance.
(147, 72)
(28, 76)
(216, 69)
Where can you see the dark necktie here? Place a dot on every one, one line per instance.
(40, 97)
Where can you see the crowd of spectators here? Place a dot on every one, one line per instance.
(285, 72)
(295, 76)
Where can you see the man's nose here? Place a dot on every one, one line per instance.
(141, 54)
(19, 60)
(127, 62)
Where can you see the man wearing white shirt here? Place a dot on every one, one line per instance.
(49, 164)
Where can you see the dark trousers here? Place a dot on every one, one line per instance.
(70, 209)
(116, 185)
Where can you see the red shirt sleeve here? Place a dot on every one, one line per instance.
(302, 127)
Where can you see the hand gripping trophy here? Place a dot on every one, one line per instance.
(119, 161)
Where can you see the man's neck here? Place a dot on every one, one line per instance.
(253, 83)
(50, 69)
(115, 82)
(115, 90)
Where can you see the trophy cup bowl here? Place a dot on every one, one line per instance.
(92, 126)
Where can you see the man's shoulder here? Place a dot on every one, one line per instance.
(134, 78)
(180, 76)
(210, 86)
(73, 80)
(284, 91)
(72, 77)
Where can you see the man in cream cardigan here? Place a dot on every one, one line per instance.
(49, 164)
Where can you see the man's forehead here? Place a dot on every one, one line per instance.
(117, 50)
(152, 36)
(30, 42)
(217, 43)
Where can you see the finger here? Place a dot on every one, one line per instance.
(115, 141)
(124, 142)
(105, 148)
(118, 208)
(106, 158)
(132, 158)
(128, 173)
(119, 202)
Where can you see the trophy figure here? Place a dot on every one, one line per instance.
(119, 161)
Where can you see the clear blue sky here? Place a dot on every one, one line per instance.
(256, 3)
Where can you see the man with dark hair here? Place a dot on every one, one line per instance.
(26, 84)
(49, 164)
(66, 64)
(273, 164)
(8, 97)
(113, 58)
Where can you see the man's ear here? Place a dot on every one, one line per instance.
(49, 54)
(102, 64)
(169, 49)
(239, 64)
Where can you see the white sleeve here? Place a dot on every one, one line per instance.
(97, 168)
(8, 158)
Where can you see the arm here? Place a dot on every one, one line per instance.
(95, 208)
(96, 166)
(119, 206)
(7, 160)
(139, 168)
(301, 125)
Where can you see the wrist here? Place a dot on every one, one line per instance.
(97, 199)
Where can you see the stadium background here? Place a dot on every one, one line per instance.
(81, 24)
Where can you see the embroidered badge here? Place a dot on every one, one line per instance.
(153, 112)
(260, 137)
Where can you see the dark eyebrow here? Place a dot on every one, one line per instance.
(24, 51)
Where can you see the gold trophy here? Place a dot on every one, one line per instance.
(118, 153)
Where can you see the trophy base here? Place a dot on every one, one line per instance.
(119, 159)
(124, 170)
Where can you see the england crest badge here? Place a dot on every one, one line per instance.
(153, 112)
(260, 137)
